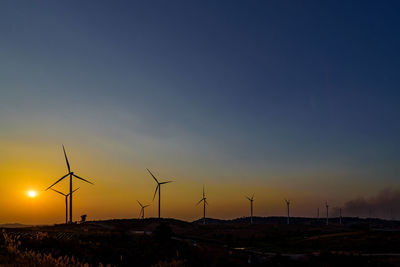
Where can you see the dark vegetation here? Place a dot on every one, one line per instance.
(169, 242)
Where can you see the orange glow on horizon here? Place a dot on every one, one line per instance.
(28, 170)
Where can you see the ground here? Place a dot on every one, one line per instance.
(169, 242)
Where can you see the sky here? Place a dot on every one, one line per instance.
(283, 99)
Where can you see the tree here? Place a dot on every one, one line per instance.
(83, 218)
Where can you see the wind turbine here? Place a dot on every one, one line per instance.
(70, 174)
(159, 192)
(142, 209)
(66, 202)
(327, 212)
(204, 199)
(288, 204)
(340, 216)
(251, 207)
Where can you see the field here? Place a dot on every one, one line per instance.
(168, 242)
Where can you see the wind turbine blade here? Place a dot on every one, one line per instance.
(82, 179)
(141, 212)
(247, 198)
(58, 192)
(206, 201)
(73, 191)
(200, 201)
(155, 192)
(166, 182)
(252, 197)
(145, 206)
(57, 181)
(203, 191)
(153, 176)
(139, 203)
(66, 159)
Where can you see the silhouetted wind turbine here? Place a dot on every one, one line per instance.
(159, 192)
(142, 209)
(66, 202)
(204, 199)
(288, 215)
(327, 213)
(71, 174)
(251, 207)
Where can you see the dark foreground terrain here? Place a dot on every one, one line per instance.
(169, 242)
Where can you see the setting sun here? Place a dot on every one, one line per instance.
(32, 193)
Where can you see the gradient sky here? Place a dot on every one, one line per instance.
(284, 99)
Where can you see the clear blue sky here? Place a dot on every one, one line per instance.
(293, 89)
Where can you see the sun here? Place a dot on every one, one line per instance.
(32, 193)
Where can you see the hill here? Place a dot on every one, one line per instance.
(14, 225)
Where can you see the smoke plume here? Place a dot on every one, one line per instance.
(385, 205)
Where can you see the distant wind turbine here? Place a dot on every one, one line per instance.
(288, 204)
(251, 207)
(159, 192)
(327, 213)
(340, 216)
(204, 199)
(70, 174)
(66, 202)
(142, 209)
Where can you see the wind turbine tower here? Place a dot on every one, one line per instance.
(204, 199)
(288, 205)
(66, 202)
(71, 175)
(251, 207)
(142, 209)
(327, 213)
(159, 192)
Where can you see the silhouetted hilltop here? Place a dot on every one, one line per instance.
(14, 225)
(348, 221)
